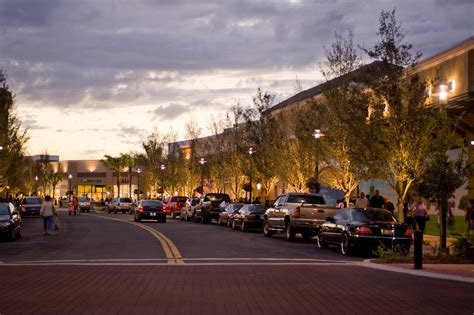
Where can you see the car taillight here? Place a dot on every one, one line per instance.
(408, 232)
(363, 230)
(140, 208)
(296, 212)
(251, 217)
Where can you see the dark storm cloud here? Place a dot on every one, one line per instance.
(100, 53)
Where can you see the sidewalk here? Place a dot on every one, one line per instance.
(455, 272)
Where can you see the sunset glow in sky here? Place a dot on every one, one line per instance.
(96, 77)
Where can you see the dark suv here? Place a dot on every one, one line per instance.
(210, 206)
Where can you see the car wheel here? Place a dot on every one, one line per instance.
(115, 211)
(266, 230)
(307, 236)
(139, 219)
(123, 211)
(243, 228)
(203, 220)
(234, 226)
(135, 218)
(18, 234)
(345, 244)
(163, 220)
(321, 243)
(290, 233)
(219, 221)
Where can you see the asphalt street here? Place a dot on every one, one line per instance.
(106, 263)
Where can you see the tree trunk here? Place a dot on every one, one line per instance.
(444, 211)
(130, 184)
(118, 185)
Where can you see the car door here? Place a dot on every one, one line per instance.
(274, 215)
(331, 228)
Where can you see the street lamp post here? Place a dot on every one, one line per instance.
(251, 151)
(317, 135)
(163, 167)
(36, 185)
(138, 185)
(202, 161)
(70, 186)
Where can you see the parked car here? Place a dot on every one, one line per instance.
(120, 204)
(173, 205)
(10, 221)
(353, 228)
(187, 211)
(249, 217)
(84, 204)
(209, 207)
(149, 209)
(295, 213)
(226, 216)
(30, 206)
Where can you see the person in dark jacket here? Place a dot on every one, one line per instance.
(377, 201)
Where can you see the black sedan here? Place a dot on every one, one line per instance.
(365, 229)
(10, 221)
(249, 217)
(149, 209)
(226, 216)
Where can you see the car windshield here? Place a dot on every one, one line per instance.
(180, 199)
(217, 197)
(151, 203)
(125, 200)
(32, 201)
(377, 215)
(312, 199)
(4, 209)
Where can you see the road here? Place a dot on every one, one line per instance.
(106, 263)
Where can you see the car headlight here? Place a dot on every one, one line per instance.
(4, 224)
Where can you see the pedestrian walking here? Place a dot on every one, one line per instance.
(74, 204)
(420, 213)
(362, 202)
(377, 201)
(47, 212)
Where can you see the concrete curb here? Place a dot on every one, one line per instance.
(369, 264)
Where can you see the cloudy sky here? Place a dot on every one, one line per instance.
(97, 77)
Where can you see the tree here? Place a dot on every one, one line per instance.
(405, 125)
(117, 164)
(266, 136)
(54, 179)
(443, 175)
(13, 140)
(153, 157)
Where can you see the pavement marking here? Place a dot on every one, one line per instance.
(189, 262)
(171, 251)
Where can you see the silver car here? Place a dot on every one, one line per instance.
(120, 204)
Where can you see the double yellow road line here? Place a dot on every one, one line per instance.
(171, 251)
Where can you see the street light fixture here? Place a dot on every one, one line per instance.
(251, 151)
(163, 167)
(138, 185)
(202, 161)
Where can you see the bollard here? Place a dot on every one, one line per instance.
(418, 249)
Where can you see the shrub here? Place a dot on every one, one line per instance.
(463, 247)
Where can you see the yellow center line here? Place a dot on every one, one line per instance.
(171, 251)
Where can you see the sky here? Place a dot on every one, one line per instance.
(98, 77)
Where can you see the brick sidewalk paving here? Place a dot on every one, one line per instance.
(226, 290)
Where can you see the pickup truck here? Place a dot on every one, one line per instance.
(294, 213)
(210, 206)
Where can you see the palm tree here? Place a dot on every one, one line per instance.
(130, 163)
(54, 180)
(117, 164)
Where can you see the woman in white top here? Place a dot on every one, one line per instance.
(47, 212)
(362, 202)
